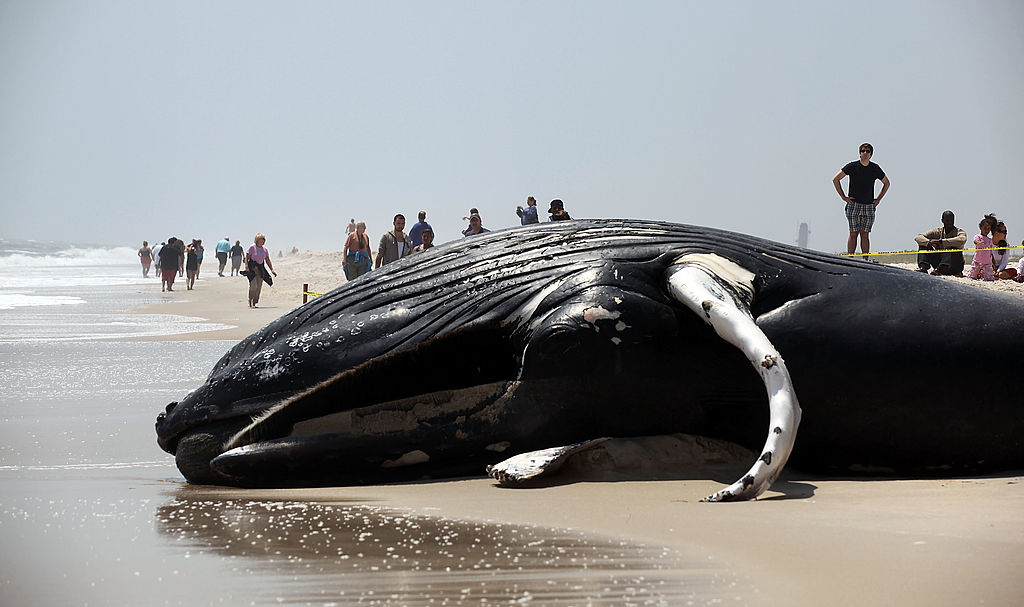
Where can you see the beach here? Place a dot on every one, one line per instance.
(808, 541)
(92, 512)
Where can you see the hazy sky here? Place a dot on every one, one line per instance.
(121, 121)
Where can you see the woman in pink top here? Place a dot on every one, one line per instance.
(981, 267)
(257, 261)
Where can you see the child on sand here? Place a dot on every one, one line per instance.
(981, 267)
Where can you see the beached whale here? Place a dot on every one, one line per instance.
(553, 334)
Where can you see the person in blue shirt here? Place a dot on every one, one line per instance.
(529, 214)
(416, 233)
(223, 248)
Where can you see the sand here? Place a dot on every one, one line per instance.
(808, 541)
(224, 300)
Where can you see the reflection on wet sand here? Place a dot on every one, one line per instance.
(337, 553)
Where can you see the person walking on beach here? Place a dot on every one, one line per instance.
(191, 264)
(557, 211)
(223, 248)
(946, 236)
(180, 245)
(428, 241)
(394, 244)
(199, 255)
(257, 262)
(861, 203)
(356, 256)
(146, 257)
(351, 227)
(168, 264)
(528, 215)
(156, 256)
(417, 229)
(237, 253)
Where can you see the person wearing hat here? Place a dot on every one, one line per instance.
(476, 225)
(557, 211)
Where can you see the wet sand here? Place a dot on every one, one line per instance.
(808, 541)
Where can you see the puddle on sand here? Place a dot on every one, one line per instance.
(288, 552)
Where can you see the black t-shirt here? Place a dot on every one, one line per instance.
(862, 180)
(169, 257)
(237, 251)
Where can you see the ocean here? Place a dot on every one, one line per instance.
(92, 512)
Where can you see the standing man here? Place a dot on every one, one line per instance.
(946, 236)
(168, 264)
(529, 214)
(395, 244)
(180, 244)
(861, 203)
(223, 248)
(416, 233)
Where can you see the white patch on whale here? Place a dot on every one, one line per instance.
(699, 284)
(592, 315)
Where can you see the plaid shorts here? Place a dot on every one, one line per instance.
(860, 216)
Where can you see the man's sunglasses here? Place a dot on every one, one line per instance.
(865, 151)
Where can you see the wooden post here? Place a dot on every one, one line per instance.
(305, 289)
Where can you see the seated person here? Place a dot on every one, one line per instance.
(1000, 257)
(946, 236)
(1020, 267)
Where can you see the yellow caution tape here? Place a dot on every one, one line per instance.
(925, 251)
(313, 294)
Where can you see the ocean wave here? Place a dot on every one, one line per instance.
(86, 466)
(9, 301)
(69, 256)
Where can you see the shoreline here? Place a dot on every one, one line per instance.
(822, 541)
(224, 300)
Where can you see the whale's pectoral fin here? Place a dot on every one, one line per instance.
(720, 291)
(526, 466)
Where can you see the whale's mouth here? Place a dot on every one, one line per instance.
(369, 443)
(358, 408)
(196, 448)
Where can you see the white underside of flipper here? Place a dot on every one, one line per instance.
(719, 291)
(526, 466)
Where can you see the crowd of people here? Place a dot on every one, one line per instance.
(174, 259)
(941, 250)
(358, 257)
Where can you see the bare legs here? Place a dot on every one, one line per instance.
(865, 243)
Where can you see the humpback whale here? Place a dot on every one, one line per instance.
(476, 352)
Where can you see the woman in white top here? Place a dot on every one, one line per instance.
(1000, 257)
